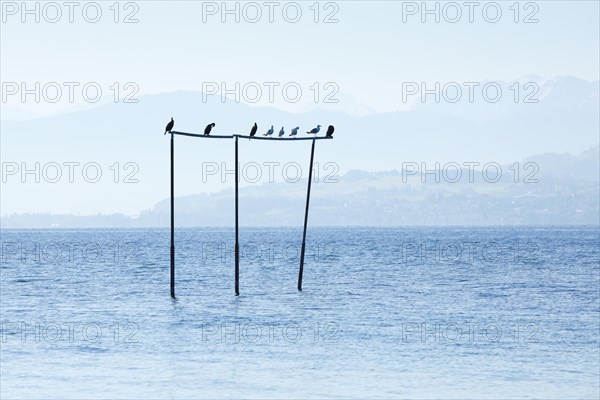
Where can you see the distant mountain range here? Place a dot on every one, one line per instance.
(529, 94)
(565, 194)
(565, 120)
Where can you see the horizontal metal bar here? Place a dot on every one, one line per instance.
(285, 138)
(293, 138)
(203, 136)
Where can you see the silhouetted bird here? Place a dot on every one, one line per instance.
(254, 129)
(281, 132)
(330, 131)
(208, 128)
(315, 130)
(269, 132)
(170, 126)
(294, 131)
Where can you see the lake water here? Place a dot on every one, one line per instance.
(385, 313)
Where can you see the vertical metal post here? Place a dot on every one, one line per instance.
(300, 272)
(172, 218)
(237, 244)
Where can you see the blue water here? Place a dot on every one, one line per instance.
(385, 313)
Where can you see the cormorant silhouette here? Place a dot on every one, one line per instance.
(254, 129)
(170, 126)
(330, 131)
(209, 128)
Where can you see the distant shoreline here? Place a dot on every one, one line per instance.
(356, 227)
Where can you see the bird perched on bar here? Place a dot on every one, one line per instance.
(253, 130)
(315, 130)
(208, 128)
(294, 131)
(330, 131)
(269, 132)
(170, 126)
(281, 132)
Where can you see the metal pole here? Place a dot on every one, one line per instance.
(237, 245)
(172, 219)
(312, 154)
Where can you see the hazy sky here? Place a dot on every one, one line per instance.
(371, 49)
(361, 57)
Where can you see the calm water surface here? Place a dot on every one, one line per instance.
(385, 313)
